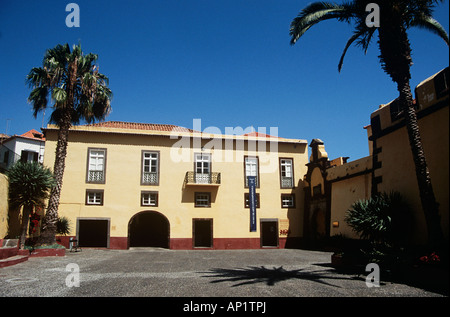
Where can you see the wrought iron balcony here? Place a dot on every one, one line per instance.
(193, 178)
(287, 182)
(150, 178)
(96, 176)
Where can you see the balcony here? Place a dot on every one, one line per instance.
(287, 182)
(150, 178)
(211, 179)
(96, 177)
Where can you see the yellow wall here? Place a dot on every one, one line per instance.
(176, 201)
(398, 170)
(391, 163)
(350, 182)
(3, 206)
(343, 194)
(397, 167)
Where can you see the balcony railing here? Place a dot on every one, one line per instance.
(287, 182)
(193, 178)
(96, 176)
(150, 178)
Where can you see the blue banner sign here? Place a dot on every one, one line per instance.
(252, 202)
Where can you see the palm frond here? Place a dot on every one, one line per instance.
(350, 41)
(39, 99)
(315, 13)
(430, 24)
(62, 70)
(38, 76)
(59, 95)
(57, 57)
(363, 36)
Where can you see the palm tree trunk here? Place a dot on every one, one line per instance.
(429, 204)
(396, 61)
(48, 231)
(25, 220)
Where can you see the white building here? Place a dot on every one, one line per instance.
(28, 147)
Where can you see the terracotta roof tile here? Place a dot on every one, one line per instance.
(140, 126)
(33, 134)
(260, 135)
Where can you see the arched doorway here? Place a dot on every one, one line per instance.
(148, 229)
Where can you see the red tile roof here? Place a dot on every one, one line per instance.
(140, 126)
(33, 134)
(166, 128)
(260, 135)
(160, 127)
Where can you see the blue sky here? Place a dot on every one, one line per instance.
(226, 62)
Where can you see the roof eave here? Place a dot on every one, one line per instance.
(174, 134)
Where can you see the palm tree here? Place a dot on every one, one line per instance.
(395, 18)
(78, 92)
(29, 184)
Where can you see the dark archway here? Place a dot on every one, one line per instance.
(149, 229)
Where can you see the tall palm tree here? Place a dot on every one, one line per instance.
(396, 17)
(29, 185)
(78, 92)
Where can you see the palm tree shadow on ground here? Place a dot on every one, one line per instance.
(254, 275)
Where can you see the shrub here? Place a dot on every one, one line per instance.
(63, 226)
(383, 218)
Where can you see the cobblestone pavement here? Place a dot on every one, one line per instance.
(192, 273)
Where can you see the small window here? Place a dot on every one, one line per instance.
(149, 199)
(288, 201)
(441, 83)
(286, 173)
(96, 166)
(247, 201)
(28, 156)
(150, 168)
(6, 157)
(94, 197)
(202, 199)
(202, 168)
(395, 110)
(251, 169)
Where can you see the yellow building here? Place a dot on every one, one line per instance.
(130, 185)
(392, 158)
(4, 183)
(333, 186)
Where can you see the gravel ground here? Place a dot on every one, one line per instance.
(192, 273)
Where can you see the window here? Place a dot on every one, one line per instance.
(150, 168)
(96, 166)
(287, 173)
(149, 199)
(202, 168)
(202, 199)
(94, 197)
(287, 200)
(247, 202)
(28, 156)
(441, 83)
(395, 110)
(6, 157)
(251, 169)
